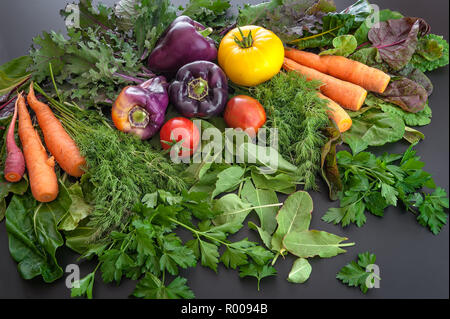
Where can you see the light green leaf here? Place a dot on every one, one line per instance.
(281, 183)
(78, 210)
(294, 216)
(312, 243)
(344, 45)
(260, 197)
(233, 209)
(228, 180)
(300, 272)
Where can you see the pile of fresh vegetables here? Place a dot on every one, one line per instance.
(124, 92)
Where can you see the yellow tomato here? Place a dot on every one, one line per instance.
(250, 55)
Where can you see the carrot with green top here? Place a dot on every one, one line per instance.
(15, 162)
(342, 68)
(41, 168)
(346, 94)
(57, 140)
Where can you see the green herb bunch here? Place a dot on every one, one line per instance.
(149, 249)
(373, 183)
(105, 51)
(294, 108)
(121, 167)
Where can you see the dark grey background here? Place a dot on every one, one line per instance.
(414, 263)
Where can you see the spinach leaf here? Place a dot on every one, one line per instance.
(344, 45)
(33, 234)
(374, 128)
(6, 188)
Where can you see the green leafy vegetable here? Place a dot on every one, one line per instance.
(7, 188)
(374, 128)
(333, 25)
(258, 198)
(356, 274)
(289, 19)
(361, 34)
(294, 108)
(150, 287)
(407, 94)
(421, 118)
(300, 272)
(373, 184)
(257, 271)
(33, 234)
(330, 170)
(344, 45)
(14, 73)
(396, 40)
(294, 216)
(148, 247)
(310, 243)
(428, 48)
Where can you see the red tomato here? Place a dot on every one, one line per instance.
(177, 129)
(244, 112)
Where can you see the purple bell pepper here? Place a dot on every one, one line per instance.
(184, 41)
(200, 89)
(141, 109)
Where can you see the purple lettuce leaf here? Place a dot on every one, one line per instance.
(407, 94)
(397, 40)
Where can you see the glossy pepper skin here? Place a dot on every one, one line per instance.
(184, 41)
(141, 109)
(200, 89)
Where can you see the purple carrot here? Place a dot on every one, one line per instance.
(15, 162)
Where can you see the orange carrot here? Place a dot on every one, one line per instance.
(58, 142)
(338, 114)
(342, 68)
(15, 162)
(346, 94)
(41, 171)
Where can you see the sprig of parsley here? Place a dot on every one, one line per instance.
(355, 274)
(373, 183)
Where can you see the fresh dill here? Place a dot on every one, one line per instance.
(294, 108)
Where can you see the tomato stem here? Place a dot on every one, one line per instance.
(246, 42)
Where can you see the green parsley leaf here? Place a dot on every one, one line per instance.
(83, 287)
(355, 275)
(257, 271)
(150, 287)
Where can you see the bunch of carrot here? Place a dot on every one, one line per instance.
(40, 167)
(345, 82)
